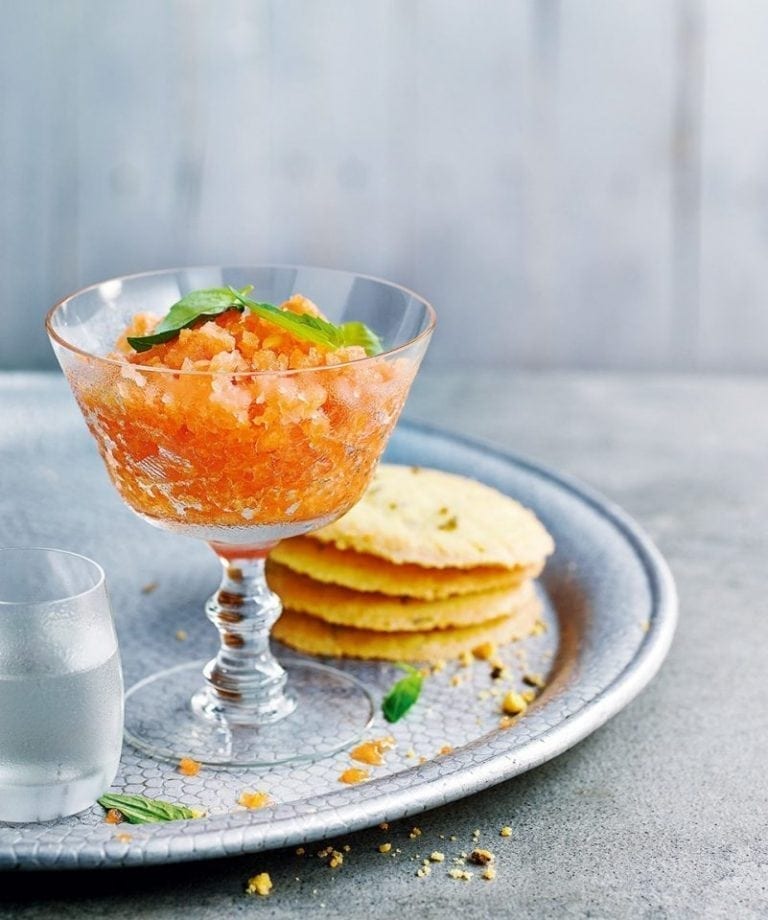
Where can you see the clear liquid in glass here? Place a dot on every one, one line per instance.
(61, 738)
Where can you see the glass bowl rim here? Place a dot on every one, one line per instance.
(55, 336)
(100, 576)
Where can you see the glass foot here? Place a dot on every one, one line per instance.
(168, 716)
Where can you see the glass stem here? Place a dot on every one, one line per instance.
(245, 682)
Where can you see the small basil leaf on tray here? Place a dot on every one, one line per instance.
(403, 694)
(138, 809)
(185, 312)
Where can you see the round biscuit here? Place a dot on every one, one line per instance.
(315, 637)
(383, 613)
(364, 572)
(426, 517)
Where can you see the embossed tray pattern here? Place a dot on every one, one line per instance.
(610, 612)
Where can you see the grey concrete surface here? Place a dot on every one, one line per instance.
(662, 812)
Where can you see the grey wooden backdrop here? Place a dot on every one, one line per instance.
(572, 182)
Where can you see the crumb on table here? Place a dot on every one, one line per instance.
(260, 884)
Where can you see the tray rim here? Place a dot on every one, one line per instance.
(425, 791)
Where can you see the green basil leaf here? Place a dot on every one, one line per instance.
(357, 333)
(185, 312)
(214, 301)
(312, 328)
(138, 809)
(403, 694)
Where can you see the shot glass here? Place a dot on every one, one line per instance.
(61, 685)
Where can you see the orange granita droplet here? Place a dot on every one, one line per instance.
(372, 752)
(188, 767)
(254, 800)
(113, 816)
(354, 775)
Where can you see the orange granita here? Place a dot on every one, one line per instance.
(226, 425)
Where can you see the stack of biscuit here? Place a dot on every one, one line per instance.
(427, 566)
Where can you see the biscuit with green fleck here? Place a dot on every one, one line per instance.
(363, 572)
(316, 637)
(418, 516)
(369, 610)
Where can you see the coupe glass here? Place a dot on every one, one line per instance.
(242, 461)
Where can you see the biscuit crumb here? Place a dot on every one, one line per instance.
(300, 851)
(485, 651)
(529, 695)
(415, 832)
(423, 871)
(336, 860)
(124, 838)
(260, 884)
(438, 666)
(481, 857)
(456, 680)
(533, 680)
(513, 704)
(446, 749)
(149, 587)
(506, 831)
(437, 856)
(181, 635)
(113, 816)
(384, 826)
(489, 873)
(506, 722)
(385, 847)
(539, 628)
(465, 659)
(188, 767)
(460, 874)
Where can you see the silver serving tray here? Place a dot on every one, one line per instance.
(610, 608)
